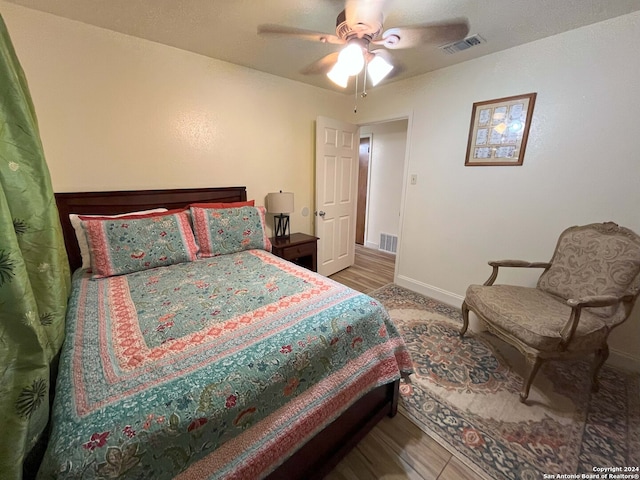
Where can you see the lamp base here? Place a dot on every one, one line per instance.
(282, 226)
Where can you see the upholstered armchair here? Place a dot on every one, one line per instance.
(588, 288)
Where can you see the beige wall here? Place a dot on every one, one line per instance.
(117, 112)
(581, 164)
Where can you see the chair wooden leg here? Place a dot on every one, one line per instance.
(465, 318)
(601, 356)
(535, 363)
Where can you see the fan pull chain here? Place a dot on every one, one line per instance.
(355, 106)
(364, 90)
(364, 84)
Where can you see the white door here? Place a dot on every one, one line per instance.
(337, 145)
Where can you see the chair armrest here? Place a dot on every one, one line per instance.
(512, 263)
(519, 263)
(597, 301)
(577, 304)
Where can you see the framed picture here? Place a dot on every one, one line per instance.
(499, 130)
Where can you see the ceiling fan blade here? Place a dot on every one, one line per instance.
(283, 31)
(433, 33)
(322, 65)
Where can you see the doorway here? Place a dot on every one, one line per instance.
(337, 173)
(384, 147)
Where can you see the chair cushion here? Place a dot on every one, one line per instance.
(534, 317)
(596, 259)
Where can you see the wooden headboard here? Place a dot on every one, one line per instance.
(112, 203)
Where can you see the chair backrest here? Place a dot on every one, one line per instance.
(594, 259)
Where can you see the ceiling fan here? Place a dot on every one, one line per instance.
(359, 27)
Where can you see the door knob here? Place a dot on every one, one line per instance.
(321, 213)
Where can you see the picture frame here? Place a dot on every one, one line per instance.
(499, 131)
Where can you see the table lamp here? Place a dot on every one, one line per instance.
(280, 204)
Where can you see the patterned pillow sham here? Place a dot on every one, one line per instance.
(76, 223)
(125, 245)
(228, 230)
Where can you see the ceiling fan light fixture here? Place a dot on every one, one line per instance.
(351, 59)
(378, 68)
(338, 76)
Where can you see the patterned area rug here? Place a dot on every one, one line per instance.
(464, 393)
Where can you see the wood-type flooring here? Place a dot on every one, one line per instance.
(395, 448)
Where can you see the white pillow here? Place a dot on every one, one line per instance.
(76, 223)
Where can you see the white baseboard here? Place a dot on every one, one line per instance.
(375, 246)
(617, 358)
(430, 291)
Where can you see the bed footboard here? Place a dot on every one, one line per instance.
(324, 451)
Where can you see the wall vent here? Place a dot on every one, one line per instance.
(388, 243)
(459, 46)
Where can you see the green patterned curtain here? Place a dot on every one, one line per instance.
(34, 273)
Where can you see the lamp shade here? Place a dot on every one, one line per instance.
(378, 68)
(281, 202)
(351, 59)
(350, 62)
(337, 76)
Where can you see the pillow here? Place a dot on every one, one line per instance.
(126, 245)
(229, 230)
(248, 203)
(82, 238)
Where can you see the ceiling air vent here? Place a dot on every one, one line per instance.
(464, 44)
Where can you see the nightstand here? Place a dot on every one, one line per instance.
(298, 248)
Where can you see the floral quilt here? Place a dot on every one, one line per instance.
(220, 367)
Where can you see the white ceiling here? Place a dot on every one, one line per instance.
(227, 29)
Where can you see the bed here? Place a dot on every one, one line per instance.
(240, 365)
